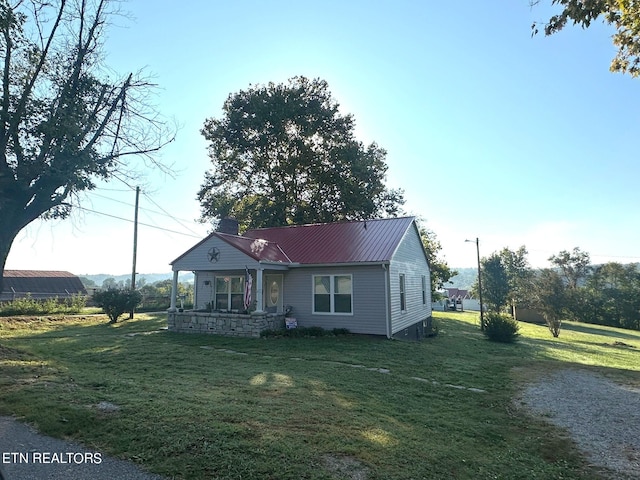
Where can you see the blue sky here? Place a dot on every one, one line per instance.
(491, 133)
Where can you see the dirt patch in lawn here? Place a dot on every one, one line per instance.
(343, 467)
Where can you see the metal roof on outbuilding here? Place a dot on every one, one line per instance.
(41, 284)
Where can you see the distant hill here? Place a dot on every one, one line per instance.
(465, 279)
(186, 277)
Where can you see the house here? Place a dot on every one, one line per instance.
(370, 277)
(457, 299)
(40, 284)
(455, 294)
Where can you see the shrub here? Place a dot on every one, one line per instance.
(312, 331)
(340, 331)
(500, 328)
(31, 306)
(115, 302)
(304, 332)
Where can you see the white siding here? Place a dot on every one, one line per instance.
(467, 304)
(471, 304)
(230, 258)
(368, 290)
(204, 285)
(409, 260)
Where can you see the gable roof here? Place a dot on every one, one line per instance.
(457, 293)
(41, 283)
(344, 242)
(257, 248)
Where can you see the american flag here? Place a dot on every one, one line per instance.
(248, 282)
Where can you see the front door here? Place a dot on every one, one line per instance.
(273, 293)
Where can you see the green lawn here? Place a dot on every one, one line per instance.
(201, 407)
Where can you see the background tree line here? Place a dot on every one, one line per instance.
(572, 288)
(155, 295)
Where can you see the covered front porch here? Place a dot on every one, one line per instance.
(257, 290)
(231, 302)
(238, 287)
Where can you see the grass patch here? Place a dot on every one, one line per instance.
(202, 406)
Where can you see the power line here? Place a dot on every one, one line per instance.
(150, 219)
(163, 213)
(113, 189)
(613, 256)
(590, 254)
(131, 221)
(167, 213)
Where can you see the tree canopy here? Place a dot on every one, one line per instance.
(549, 298)
(606, 294)
(283, 154)
(495, 282)
(623, 15)
(519, 274)
(574, 265)
(64, 123)
(440, 272)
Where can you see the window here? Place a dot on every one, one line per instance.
(332, 294)
(229, 293)
(424, 290)
(403, 293)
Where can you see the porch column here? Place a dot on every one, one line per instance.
(259, 293)
(174, 292)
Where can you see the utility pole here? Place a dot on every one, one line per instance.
(477, 242)
(480, 284)
(135, 248)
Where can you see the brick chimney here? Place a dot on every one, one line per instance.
(228, 226)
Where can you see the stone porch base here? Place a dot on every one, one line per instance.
(228, 324)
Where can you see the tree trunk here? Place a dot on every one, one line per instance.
(6, 239)
(13, 220)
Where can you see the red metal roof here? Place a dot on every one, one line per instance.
(348, 242)
(259, 249)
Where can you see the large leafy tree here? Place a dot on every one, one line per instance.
(574, 266)
(623, 15)
(440, 271)
(495, 283)
(64, 123)
(519, 275)
(611, 296)
(549, 297)
(283, 154)
(573, 269)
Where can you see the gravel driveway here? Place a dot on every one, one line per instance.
(27, 455)
(602, 417)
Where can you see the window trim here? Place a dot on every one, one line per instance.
(332, 293)
(402, 287)
(424, 289)
(229, 293)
